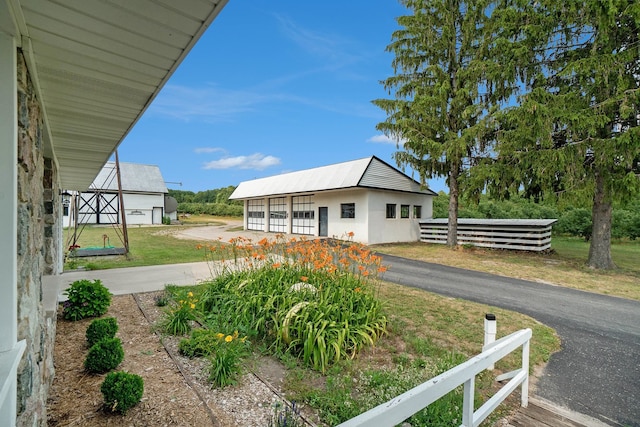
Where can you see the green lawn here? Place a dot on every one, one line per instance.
(625, 253)
(148, 246)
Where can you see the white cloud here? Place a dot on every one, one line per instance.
(255, 161)
(200, 150)
(384, 139)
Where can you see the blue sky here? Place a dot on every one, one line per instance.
(272, 87)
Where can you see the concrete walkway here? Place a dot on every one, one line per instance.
(128, 280)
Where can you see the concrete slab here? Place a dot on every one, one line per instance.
(128, 280)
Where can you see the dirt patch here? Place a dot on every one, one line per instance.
(176, 390)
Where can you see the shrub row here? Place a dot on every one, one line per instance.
(120, 390)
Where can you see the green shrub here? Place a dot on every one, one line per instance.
(121, 391)
(86, 298)
(100, 329)
(104, 356)
(202, 343)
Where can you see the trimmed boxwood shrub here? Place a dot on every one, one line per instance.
(100, 329)
(86, 298)
(104, 356)
(121, 391)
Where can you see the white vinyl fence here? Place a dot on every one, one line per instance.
(402, 407)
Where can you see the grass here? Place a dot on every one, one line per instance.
(565, 266)
(428, 334)
(148, 246)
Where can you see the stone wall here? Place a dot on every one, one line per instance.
(38, 207)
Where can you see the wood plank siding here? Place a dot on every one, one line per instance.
(515, 234)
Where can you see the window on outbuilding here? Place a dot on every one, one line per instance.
(404, 211)
(391, 210)
(347, 210)
(417, 211)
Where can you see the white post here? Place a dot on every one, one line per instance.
(524, 400)
(467, 401)
(490, 329)
(10, 350)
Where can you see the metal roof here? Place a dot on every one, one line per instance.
(134, 177)
(492, 222)
(369, 172)
(97, 65)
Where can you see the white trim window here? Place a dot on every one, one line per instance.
(278, 214)
(303, 215)
(255, 214)
(347, 210)
(404, 211)
(391, 210)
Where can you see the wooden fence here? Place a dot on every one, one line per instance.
(517, 234)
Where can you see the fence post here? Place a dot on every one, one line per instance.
(490, 329)
(524, 395)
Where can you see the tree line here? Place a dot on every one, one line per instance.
(209, 202)
(515, 98)
(572, 220)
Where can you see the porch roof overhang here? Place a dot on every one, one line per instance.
(97, 66)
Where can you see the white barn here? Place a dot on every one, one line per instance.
(144, 195)
(367, 197)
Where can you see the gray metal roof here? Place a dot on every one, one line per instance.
(370, 172)
(97, 65)
(135, 178)
(493, 222)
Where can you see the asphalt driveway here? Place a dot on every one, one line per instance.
(596, 373)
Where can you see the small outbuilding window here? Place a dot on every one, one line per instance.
(347, 210)
(404, 211)
(417, 211)
(391, 210)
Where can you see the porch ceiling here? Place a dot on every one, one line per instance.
(98, 64)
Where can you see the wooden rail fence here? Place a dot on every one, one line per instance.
(517, 234)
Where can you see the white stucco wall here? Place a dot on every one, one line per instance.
(389, 230)
(340, 227)
(370, 225)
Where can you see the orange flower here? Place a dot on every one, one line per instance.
(350, 234)
(276, 265)
(357, 289)
(382, 269)
(198, 247)
(304, 278)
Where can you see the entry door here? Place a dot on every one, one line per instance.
(323, 221)
(157, 215)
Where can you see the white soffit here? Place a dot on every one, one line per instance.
(98, 64)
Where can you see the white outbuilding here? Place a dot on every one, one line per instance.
(366, 197)
(144, 197)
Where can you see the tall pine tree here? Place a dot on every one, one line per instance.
(443, 93)
(576, 130)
